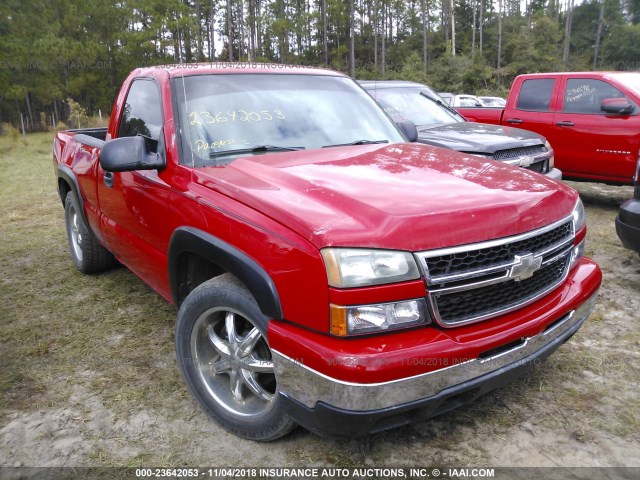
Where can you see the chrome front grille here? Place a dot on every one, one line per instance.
(479, 281)
(458, 307)
(519, 152)
(533, 158)
(469, 259)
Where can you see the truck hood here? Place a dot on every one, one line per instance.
(401, 196)
(481, 138)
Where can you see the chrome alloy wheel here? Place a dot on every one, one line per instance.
(75, 232)
(233, 362)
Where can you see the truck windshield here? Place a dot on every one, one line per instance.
(412, 104)
(223, 117)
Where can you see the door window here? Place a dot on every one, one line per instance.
(142, 113)
(585, 95)
(535, 95)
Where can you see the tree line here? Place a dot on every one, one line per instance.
(56, 52)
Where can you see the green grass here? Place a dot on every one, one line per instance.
(58, 324)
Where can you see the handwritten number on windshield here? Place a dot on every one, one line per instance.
(193, 116)
(205, 117)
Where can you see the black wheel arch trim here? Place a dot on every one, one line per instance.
(68, 176)
(234, 261)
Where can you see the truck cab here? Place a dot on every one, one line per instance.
(440, 125)
(592, 120)
(327, 273)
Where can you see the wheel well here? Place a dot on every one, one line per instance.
(63, 189)
(194, 270)
(196, 256)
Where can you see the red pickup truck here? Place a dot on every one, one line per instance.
(327, 273)
(591, 119)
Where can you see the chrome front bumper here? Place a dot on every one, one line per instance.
(308, 387)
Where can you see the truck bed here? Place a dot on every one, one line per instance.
(492, 115)
(92, 137)
(99, 133)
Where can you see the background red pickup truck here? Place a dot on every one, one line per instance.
(591, 119)
(327, 273)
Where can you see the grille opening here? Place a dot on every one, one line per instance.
(501, 349)
(457, 307)
(553, 325)
(474, 282)
(474, 259)
(518, 152)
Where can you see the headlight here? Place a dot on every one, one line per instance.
(578, 224)
(362, 319)
(552, 159)
(357, 267)
(578, 217)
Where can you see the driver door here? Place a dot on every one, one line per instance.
(591, 142)
(134, 205)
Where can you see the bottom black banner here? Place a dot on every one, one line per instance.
(329, 473)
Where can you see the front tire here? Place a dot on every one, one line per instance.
(87, 254)
(226, 361)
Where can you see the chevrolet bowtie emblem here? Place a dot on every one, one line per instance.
(525, 266)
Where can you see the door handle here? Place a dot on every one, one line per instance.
(108, 179)
(514, 120)
(565, 123)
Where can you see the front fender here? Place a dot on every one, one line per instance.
(228, 258)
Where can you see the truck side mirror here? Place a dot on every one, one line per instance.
(127, 154)
(409, 129)
(616, 105)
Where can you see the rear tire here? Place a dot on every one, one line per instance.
(226, 361)
(87, 254)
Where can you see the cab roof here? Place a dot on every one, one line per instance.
(225, 68)
(371, 84)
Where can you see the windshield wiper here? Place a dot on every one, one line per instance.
(441, 103)
(258, 148)
(357, 142)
